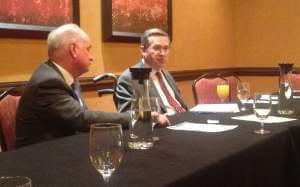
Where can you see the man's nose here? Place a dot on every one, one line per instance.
(91, 58)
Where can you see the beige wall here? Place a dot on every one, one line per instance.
(267, 32)
(202, 38)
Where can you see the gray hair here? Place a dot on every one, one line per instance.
(151, 32)
(63, 35)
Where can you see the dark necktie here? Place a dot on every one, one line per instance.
(76, 93)
(170, 99)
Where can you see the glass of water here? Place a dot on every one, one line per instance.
(141, 127)
(155, 112)
(243, 93)
(262, 108)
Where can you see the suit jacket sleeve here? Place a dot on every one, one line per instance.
(124, 92)
(55, 103)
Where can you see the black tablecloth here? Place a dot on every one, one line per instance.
(232, 158)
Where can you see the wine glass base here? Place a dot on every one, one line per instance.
(155, 138)
(243, 109)
(141, 145)
(262, 131)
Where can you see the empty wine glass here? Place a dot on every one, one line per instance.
(262, 108)
(106, 148)
(223, 90)
(155, 111)
(243, 93)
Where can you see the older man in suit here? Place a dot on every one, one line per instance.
(155, 46)
(49, 107)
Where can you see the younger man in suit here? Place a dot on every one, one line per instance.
(155, 46)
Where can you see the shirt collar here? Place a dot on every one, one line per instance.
(152, 73)
(67, 76)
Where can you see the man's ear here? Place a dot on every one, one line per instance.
(72, 50)
(142, 49)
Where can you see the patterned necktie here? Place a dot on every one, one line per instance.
(170, 99)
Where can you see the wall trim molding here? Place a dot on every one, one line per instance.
(87, 83)
(186, 75)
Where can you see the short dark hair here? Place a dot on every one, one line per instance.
(151, 32)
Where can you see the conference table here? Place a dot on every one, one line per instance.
(180, 158)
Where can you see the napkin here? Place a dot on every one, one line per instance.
(202, 127)
(270, 119)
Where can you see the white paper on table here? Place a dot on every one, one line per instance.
(275, 97)
(216, 108)
(201, 127)
(251, 101)
(270, 119)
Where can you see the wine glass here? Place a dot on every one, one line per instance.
(243, 93)
(155, 111)
(262, 108)
(105, 148)
(223, 90)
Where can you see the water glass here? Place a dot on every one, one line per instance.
(141, 127)
(262, 108)
(155, 112)
(243, 93)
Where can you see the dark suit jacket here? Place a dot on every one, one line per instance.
(49, 109)
(124, 90)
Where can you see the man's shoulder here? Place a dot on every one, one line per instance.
(166, 73)
(45, 73)
(126, 73)
(44, 70)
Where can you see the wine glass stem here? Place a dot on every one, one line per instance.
(243, 106)
(262, 126)
(106, 181)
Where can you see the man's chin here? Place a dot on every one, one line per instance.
(161, 65)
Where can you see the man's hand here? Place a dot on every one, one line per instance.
(161, 120)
